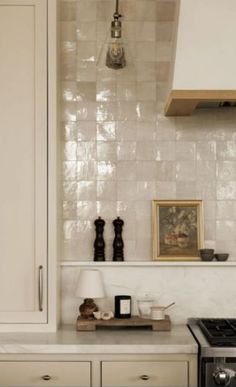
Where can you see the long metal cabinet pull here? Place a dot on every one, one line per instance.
(40, 288)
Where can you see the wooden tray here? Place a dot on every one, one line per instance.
(135, 321)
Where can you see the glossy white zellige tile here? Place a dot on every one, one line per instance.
(86, 10)
(67, 10)
(226, 210)
(185, 171)
(86, 210)
(86, 91)
(106, 151)
(69, 209)
(226, 170)
(86, 31)
(86, 150)
(106, 131)
(145, 31)
(226, 190)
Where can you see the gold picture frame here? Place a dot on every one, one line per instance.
(177, 227)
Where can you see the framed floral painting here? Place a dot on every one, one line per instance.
(177, 229)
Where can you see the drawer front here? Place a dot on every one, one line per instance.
(151, 374)
(58, 374)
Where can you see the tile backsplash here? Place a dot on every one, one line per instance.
(119, 151)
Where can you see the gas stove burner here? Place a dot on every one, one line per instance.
(219, 332)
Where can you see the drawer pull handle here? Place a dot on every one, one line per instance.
(40, 288)
(46, 377)
(144, 377)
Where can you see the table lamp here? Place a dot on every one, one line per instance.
(90, 286)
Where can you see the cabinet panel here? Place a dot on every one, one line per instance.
(151, 374)
(59, 374)
(23, 160)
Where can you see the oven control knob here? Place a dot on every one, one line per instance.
(221, 377)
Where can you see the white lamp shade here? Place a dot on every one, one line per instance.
(90, 284)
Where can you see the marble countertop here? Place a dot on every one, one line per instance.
(67, 341)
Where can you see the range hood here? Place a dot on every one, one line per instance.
(204, 63)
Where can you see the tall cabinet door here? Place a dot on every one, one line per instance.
(23, 161)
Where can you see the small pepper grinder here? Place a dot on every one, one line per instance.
(99, 243)
(118, 244)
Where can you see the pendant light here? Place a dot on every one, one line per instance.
(115, 53)
(115, 57)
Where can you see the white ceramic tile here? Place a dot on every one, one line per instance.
(126, 150)
(225, 230)
(146, 131)
(226, 210)
(86, 170)
(85, 30)
(145, 51)
(69, 170)
(145, 31)
(206, 150)
(126, 130)
(226, 170)
(67, 10)
(85, 131)
(106, 170)
(126, 170)
(106, 91)
(186, 190)
(165, 150)
(185, 171)
(86, 210)
(106, 151)
(185, 150)
(206, 170)
(85, 91)
(226, 190)
(106, 131)
(126, 190)
(146, 190)
(86, 51)
(146, 170)
(226, 150)
(86, 190)
(106, 190)
(146, 91)
(144, 12)
(68, 31)
(86, 10)
(86, 150)
(126, 91)
(165, 190)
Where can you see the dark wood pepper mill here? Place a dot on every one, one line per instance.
(118, 244)
(99, 243)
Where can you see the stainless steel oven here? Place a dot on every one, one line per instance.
(217, 351)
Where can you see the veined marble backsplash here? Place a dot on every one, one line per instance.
(119, 152)
(197, 291)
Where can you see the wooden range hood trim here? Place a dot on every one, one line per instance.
(183, 102)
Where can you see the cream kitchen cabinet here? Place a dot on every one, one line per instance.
(25, 167)
(42, 373)
(98, 370)
(140, 373)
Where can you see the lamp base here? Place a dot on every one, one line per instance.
(87, 308)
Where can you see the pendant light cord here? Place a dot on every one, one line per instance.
(117, 15)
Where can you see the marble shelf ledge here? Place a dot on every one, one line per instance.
(147, 264)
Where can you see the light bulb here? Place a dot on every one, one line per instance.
(115, 58)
